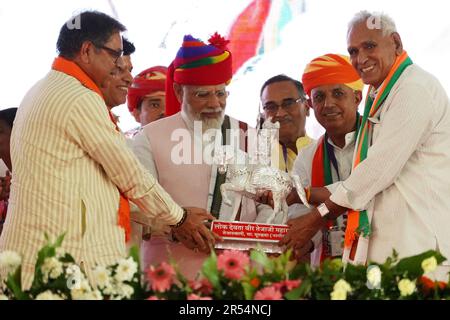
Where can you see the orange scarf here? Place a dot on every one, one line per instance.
(72, 69)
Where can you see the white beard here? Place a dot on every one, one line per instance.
(207, 123)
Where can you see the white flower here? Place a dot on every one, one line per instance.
(406, 287)
(109, 290)
(342, 285)
(48, 295)
(102, 277)
(125, 291)
(373, 277)
(51, 268)
(126, 269)
(339, 295)
(94, 295)
(73, 269)
(10, 260)
(81, 292)
(430, 264)
(3, 297)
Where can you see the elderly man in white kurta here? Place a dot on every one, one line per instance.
(399, 189)
(171, 148)
(73, 171)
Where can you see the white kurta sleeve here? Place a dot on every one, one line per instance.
(404, 127)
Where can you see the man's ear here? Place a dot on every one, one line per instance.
(358, 97)
(86, 51)
(178, 89)
(137, 114)
(398, 43)
(308, 106)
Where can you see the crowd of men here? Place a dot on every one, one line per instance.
(378, 181)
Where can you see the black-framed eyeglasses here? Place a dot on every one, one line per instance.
(286, 105)
(115, 54)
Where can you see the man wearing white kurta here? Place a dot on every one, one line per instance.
(404, 181)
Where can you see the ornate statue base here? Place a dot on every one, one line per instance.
(248, 235)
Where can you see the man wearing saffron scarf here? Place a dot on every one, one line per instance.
(73, 172)
(174, 148)
(399, 186)
(335, 91)
(115, 89)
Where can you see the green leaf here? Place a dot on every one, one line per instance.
(249, 290)
(210, 271)
(412, 266)
(261, 257)
(59, 240)
(134, 253)
(294, 294)
(302, 291)
(14, 284)
(355, 273)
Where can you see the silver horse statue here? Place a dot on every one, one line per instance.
(252, 178)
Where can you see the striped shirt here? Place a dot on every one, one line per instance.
(69, 161)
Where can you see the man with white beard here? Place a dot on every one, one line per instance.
(173, 149)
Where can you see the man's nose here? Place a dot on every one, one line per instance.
(280, 112)
(214, 101)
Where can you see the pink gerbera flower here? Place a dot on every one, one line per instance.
(161, 277)
(193, 296)
(268, 293)
(154, 298)
(233, 263)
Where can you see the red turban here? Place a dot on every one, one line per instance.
(145, 83)
(198, 64)
(330, 69)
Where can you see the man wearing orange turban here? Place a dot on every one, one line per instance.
(396, 196)
(334, 90)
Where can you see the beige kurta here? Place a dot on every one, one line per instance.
(69, 161)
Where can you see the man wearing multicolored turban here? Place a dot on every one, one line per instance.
(173, 149)
(335, 91)
(147, 94)
(396, 196)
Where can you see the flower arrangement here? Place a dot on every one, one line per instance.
(228, 275)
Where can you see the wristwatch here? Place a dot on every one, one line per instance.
(323, 210)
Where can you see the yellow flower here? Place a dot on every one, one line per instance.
(339, 294)
(342, 285)
(406, 287)
(429, 265)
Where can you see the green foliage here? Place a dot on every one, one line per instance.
(262, 274)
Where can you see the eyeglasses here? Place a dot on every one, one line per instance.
(205, 95)
(115, 54)
(286, 105)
